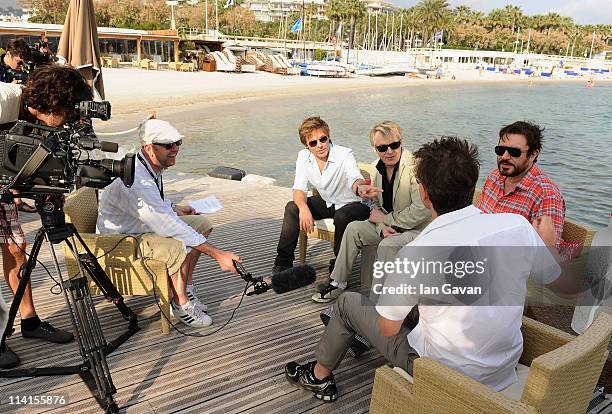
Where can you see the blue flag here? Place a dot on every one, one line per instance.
(438, 36)
(297, 26)
(228, 4)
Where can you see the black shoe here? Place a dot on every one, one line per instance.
(8, 359)
(303, 377)
(359, 345)
(279, 268)
(326, 292)
(46, 332)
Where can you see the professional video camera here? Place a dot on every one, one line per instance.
(43, 163)
(40, 159)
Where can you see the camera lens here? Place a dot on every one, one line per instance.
(123, 168)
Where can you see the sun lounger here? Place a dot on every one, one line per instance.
(255, 58)
(222, 64)
(241, 64)
(277, 66)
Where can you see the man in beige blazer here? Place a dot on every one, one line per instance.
(397, 216)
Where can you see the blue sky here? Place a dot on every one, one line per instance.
(582, 11)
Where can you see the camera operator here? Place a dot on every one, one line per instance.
(12, 63)
(50, 98)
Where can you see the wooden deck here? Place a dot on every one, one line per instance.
(239, 369)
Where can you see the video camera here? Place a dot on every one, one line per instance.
(37, 159)
(37, 58)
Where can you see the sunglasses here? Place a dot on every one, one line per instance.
(169, 146)
(322, 140)
(514, 152)
(394, 145)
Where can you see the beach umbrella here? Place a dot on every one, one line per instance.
(78, 46)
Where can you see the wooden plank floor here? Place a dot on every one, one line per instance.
(239, 369)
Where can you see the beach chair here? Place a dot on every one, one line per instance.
(174, 65)
(221, 62)
(278, 66)
(557, 374)
(241, 64)
(255, 58)
(324, 229)
(117, 255)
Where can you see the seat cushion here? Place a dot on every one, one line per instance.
(514, 391)
(325, 224)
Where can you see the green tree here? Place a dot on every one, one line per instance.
(431, 14)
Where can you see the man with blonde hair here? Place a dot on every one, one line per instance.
(332, 170)
(398, 214)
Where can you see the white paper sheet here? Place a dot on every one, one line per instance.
(206, 205)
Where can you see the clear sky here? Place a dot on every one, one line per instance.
(582, 11)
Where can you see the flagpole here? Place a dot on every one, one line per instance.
(206, 17)
(303, 31)
(592, 44)
(217, 18)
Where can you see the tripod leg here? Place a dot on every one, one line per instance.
(92, 344)
(26, 273)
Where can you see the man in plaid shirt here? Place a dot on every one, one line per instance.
(518, 185)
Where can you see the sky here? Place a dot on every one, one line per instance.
(582, 11)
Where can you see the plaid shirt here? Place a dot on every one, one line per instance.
(534, 196)
(10, 228)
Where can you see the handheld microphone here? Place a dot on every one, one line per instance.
(293, 278)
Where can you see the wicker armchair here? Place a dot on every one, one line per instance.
(563, 372)
(324, 229)
(130, 274)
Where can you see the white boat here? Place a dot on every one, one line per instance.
(326, 70)
(387, 70)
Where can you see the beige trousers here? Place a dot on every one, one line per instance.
(361, 234)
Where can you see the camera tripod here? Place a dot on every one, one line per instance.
(92, 345)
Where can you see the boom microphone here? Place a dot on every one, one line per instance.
(293, 278)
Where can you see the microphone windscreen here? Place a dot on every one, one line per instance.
(107, 146)
(293, 278)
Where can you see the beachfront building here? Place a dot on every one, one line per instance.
(379, 6)
(124, 44)
(276, 10)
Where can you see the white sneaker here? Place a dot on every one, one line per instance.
(190, 315)
(193, 298)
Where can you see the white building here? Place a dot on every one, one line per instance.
(275, 10)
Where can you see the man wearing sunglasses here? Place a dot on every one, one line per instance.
(170, 233)
(11, 62)
(518, 185)
(398, 214)
(332, 170)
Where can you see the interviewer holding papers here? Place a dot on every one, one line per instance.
(174, 234)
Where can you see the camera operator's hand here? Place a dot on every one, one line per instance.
(184, 210)
(16, 81)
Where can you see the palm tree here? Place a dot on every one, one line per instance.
(353, 10)
(514, 14)
(431, 15)
(463, 14)
(334, 11)
(310, 10)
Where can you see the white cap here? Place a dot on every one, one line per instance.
(156, 131)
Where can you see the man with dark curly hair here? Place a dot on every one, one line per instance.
(12, 61)
(50, 98)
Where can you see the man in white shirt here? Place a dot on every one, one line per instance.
(174, 234)
(484, 341)
(332, 170)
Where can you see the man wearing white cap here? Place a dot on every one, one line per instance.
(170, 233)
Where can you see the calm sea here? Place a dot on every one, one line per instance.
(261, 136)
